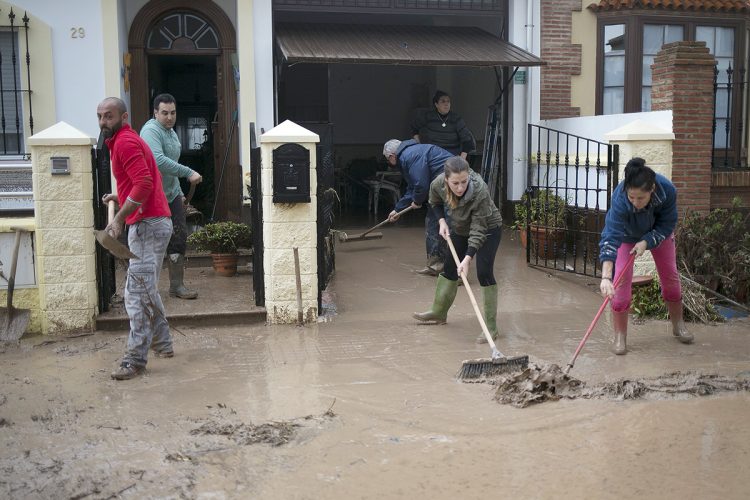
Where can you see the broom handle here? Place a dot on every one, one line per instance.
(486, 332)
(373, 228)
(598, 314)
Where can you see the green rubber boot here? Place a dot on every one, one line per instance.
(489, 300)
(445, 294)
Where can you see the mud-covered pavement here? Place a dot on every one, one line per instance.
(364, 404)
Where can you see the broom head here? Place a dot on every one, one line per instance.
(472, 369)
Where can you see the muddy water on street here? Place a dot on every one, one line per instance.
(364, 404)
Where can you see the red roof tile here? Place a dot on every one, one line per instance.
(689, 5)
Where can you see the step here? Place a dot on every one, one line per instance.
(256, 315)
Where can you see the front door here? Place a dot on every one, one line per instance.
(186, 49)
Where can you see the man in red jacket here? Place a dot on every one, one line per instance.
(146, 211)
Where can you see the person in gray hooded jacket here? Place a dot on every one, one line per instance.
(461, 202)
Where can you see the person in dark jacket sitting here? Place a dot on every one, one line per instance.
(642, 216)
(442, 127)
(461, 202)
(419, 164)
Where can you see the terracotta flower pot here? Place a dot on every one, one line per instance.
(546, 242)
(225, 264)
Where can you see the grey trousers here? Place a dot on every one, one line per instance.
(148, 240)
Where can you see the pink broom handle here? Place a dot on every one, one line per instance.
(598, 314)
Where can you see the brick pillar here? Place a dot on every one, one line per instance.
(683, 82)
(563, 58)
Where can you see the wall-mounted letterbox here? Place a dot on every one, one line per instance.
(291, 174)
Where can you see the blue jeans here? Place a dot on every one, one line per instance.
(148, 240)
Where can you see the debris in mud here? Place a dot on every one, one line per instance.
(535, 384)
(274, 433)
(4, 422)
(538, 384)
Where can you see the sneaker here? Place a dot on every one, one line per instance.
(126, 371)
(164, 354)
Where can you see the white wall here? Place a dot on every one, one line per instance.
(79, 81)
(524, 31)
(596, 127)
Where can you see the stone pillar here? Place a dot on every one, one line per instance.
(289, 225)
(683, 82)
(653, 144)
(563, 58)
(64, 219)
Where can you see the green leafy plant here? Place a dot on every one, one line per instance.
(221, 237)
(545, 209)
(648, 303)
(714, 248)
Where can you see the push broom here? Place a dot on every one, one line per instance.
(498, 363)
(368, 235)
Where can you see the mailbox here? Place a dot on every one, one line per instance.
(291, 174)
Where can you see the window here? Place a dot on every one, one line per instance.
(720, 41)
(654, 36)
(628, 48)
(614, 69)
(11, 103)
(183, 28)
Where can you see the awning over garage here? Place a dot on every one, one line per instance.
(408, 45)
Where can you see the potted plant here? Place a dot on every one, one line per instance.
(544, 217)
(223, 240)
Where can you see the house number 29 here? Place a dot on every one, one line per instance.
(77, 33)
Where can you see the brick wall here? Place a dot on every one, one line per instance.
(562, 57)
(727, 185)
(683, 82)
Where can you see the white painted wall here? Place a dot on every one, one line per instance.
(596, 127)
(524, 31)
(78, 76)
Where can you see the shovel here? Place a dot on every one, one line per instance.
(14, 320)
(107, 241)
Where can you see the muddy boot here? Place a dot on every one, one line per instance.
(445, 294)
(434, 266)
(678, 325)
(176, 263)
(489, 299)
(620, 322)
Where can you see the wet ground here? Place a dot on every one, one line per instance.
(364, 404)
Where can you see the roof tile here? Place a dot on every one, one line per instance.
(738, 6)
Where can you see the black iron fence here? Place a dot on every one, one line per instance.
(729, 143)
(105, 263)
(569, 187)
(12, 112)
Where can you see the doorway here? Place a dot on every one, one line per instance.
(192, 81)
(186, 48)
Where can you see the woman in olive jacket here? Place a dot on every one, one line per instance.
(461, 202)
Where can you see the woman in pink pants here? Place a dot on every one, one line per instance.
(642, 216)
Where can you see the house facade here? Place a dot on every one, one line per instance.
(600, 58)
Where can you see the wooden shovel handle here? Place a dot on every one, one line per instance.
(471, 297)
(110, 211)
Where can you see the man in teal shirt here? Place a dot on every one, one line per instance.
(159, 134)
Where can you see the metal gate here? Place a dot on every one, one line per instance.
(105, 262)
(326, 203)
(569, 187)
(256, 224)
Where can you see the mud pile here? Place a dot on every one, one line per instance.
(535, 384)
(540, 383)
